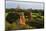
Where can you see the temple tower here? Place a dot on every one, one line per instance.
(22, 18)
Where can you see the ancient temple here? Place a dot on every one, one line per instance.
(22, 16)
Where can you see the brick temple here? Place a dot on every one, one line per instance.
(22, 14)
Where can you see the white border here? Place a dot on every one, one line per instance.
(29, 0)
(2, 15)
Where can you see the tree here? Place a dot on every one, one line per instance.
(11, 17)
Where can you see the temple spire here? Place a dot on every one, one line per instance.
(18, 6)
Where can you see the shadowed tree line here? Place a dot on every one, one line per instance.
(26, 10)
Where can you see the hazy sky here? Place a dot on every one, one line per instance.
(26, 5)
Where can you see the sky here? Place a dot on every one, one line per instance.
(25, 5)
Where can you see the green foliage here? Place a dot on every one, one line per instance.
(11, 17)
(9, 26)
(37, 19)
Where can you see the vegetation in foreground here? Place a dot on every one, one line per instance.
(37, 20)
